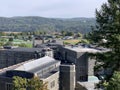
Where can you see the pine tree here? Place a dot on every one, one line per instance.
(114, 83)
(107, 34)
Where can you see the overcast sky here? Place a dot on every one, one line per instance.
(50, 8)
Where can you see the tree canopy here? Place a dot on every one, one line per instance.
(35, 83)
(114, 83)
(107, 34)
(25, 24)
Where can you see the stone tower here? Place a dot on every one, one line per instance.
(67, 77)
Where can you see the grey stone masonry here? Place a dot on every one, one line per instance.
(67, 77)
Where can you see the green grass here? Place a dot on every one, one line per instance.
(29, 45)
(73, 41)
(17, 42)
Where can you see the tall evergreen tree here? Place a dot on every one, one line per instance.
(107, 34)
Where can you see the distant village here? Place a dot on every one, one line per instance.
(62, 59)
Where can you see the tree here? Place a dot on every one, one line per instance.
(19, 83)
(1, 43)
(79, 35)
(69, 33)
(11, 39)
(114, 83)
(63, 33)
(35, 83)
(108, 28)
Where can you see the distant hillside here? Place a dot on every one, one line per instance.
(46, 24)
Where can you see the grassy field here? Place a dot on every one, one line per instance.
(16, 42)
(73, 41)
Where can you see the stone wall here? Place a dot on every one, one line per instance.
(52, 81)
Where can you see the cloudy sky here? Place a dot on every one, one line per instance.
(50, 8)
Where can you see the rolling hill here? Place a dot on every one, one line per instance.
(32, 23)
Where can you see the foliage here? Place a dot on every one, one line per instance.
(63, 33)
(114, 83)
(85, 41)
(108, 28)
(35, 83)
(19, 83)
(1, 43)
(36, 86)
(79, 35)
(69, 33)
(10, 39)
(58, 36)
(41, 25)
(15, 42)
(9, 43)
